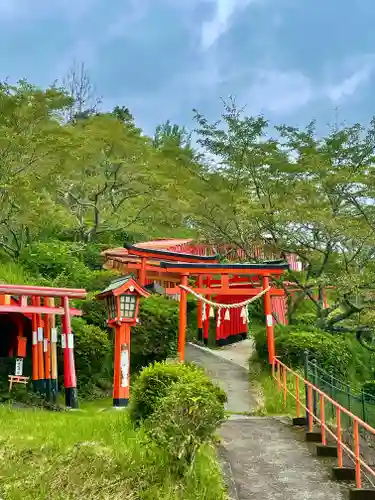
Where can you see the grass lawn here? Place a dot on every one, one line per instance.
(93, 455)
(272, 397)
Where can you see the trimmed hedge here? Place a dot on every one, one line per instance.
(332, 352)
(185, 418)
(155, 381)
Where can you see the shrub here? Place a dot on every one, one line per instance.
(155, 338)
(92, 257)
(306, 318)
(369, 390)
(94, 311)
(94, 355)
(155, 381)
(332, 352)
(193, 414)
(11, 272)
(55, 261)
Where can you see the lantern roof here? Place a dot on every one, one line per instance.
(122, 285)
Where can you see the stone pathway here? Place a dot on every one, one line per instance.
(239, 352)
(232, 378)
(262, 457)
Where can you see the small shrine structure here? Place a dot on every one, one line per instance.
(28, 318)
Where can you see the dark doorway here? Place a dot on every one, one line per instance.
(8, 334)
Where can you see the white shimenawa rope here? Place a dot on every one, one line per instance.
(227, 307)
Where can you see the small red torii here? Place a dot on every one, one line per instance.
(38, 304)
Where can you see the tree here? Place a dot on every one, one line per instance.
(34, 149)
(293, 195)
(78, 85)
(111, 185)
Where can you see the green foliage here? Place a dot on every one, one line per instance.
(56, 261)
(155, 337)
(307, 318)
(155, 381)
(92, 257)
(14, 273)
(94, 357)
(369, 389)
(193, 412)
(332, 232)
(102, 455)
(94, 311)
(330, 351)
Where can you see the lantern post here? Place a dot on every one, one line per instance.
(122, 300)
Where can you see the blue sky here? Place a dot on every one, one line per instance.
(291, 59)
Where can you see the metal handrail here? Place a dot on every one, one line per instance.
(280, 373)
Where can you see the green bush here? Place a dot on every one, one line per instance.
(306, 318)
(94, 359)
(155, 381)
(56, 261)
(94, 311)
(332, 352)
(369, 390)
(185, 418)
(96, 281)
(92, 257)
(155, 337)
(14, 273)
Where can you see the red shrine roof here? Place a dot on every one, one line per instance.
(164, 244)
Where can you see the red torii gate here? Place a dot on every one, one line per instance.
(175, 268)
(39, 304)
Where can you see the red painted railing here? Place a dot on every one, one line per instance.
(286, 378)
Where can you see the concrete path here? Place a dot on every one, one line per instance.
(239, 353)
(263, 458)
(232, 378)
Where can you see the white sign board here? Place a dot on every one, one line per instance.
(124, 361)
(19, 367)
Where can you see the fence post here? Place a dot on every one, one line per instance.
(306, 376)
(332, 393)
(349, 397)
(363, 405)
(315, 382)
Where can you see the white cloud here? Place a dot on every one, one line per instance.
(349, 85)
(279, 91)
(225, 10)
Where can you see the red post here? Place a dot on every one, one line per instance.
(338, 435)
(53, 349)
(298, 403)
(284, 386)
(67, 342)
(206, 323)
(269, 320)
(142, 272)
(121, 374)
(40, 346)
(47, 352)
(200, 306)
(34, 349)
(182, 321)
(358, 479)
(323, 419)
(310, 407)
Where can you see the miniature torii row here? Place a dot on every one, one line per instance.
(41, 305)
